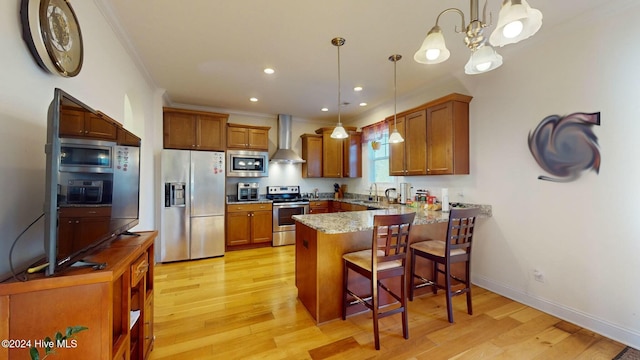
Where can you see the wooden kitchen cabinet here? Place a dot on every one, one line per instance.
(106, 301)
(409, 157)
(247, 137)
(448, 136)
(194, 130)
(339, 157)
(126, 137)
(352, 155)
(332, 151)
(318, 206)
(436, 138)
(82, 225)
(312, 154)
(249, 225)
(84, 124)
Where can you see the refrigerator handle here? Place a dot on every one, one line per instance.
(174, 194)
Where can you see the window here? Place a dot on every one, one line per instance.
(379, 171)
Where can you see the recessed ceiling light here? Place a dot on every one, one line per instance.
(357, 88)
(363, 104)
(269, 71)
(324, 109)
(253, 99)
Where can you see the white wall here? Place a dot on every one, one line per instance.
(26, 91)
(583, 236)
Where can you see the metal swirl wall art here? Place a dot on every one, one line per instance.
(565, 147)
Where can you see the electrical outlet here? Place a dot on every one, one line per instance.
(538, 276)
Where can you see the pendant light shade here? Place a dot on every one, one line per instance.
(433, 49)
(395, 136)
(516, 21)
(483, 60)
(339, 132)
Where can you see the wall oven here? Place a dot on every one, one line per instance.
(286, 203)
(244, 163)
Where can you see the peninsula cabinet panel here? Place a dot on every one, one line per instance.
(247, 137)
(312, 154)
(448, 138)
(194, 130)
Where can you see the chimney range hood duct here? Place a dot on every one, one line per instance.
(284, 154)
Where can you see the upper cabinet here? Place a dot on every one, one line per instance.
(247, 137)
(448, 136)
(332, 158)
(436, 138)
(78, 123)
(194, 130)
(352, 155)
(409, 157)
(312, 153)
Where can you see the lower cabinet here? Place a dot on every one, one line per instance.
(249, 225)
(114, 304)
(318, 206)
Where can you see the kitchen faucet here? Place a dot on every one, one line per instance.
(375, 197)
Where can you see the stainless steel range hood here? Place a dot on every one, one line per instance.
(284, 154)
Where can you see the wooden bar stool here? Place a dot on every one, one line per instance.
(390, 239)
(455, 248)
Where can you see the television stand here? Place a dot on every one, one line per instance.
(91, 264)
(129, 233)
(115, 304)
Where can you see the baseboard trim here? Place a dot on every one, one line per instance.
(626, 336)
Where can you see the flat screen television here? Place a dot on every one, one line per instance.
(92, 184)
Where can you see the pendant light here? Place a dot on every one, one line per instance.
(395, 136)
(339, 132)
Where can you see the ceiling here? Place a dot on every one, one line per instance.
(212, 53)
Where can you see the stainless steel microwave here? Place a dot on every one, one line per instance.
(244, 163)
(88, 156)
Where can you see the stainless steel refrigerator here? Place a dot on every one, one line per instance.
(194, 204)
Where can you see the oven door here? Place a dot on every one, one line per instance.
(283, 216)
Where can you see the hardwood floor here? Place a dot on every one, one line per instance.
(244, 306)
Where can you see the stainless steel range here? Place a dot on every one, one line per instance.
(287, 202)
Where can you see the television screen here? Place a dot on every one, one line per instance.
(93, 181)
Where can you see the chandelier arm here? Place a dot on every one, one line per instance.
(462, 26)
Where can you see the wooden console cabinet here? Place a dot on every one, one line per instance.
(115, 304)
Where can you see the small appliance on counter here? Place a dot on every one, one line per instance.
(405, 193)
(248, 191)
(392, 195)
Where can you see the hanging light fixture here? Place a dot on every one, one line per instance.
(395, 136)
(517, 21)
(339, 132)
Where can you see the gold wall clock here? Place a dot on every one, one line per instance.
(51, 30)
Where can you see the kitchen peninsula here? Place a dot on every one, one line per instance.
(322, 239)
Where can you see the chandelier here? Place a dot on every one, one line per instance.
(516, 21)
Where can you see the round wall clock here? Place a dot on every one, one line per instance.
(52, 33)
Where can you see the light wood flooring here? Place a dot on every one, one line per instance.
(244, 306)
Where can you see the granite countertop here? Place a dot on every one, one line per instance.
(245, 202)
(352, 221)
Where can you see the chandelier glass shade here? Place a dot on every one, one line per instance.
(517, 21)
